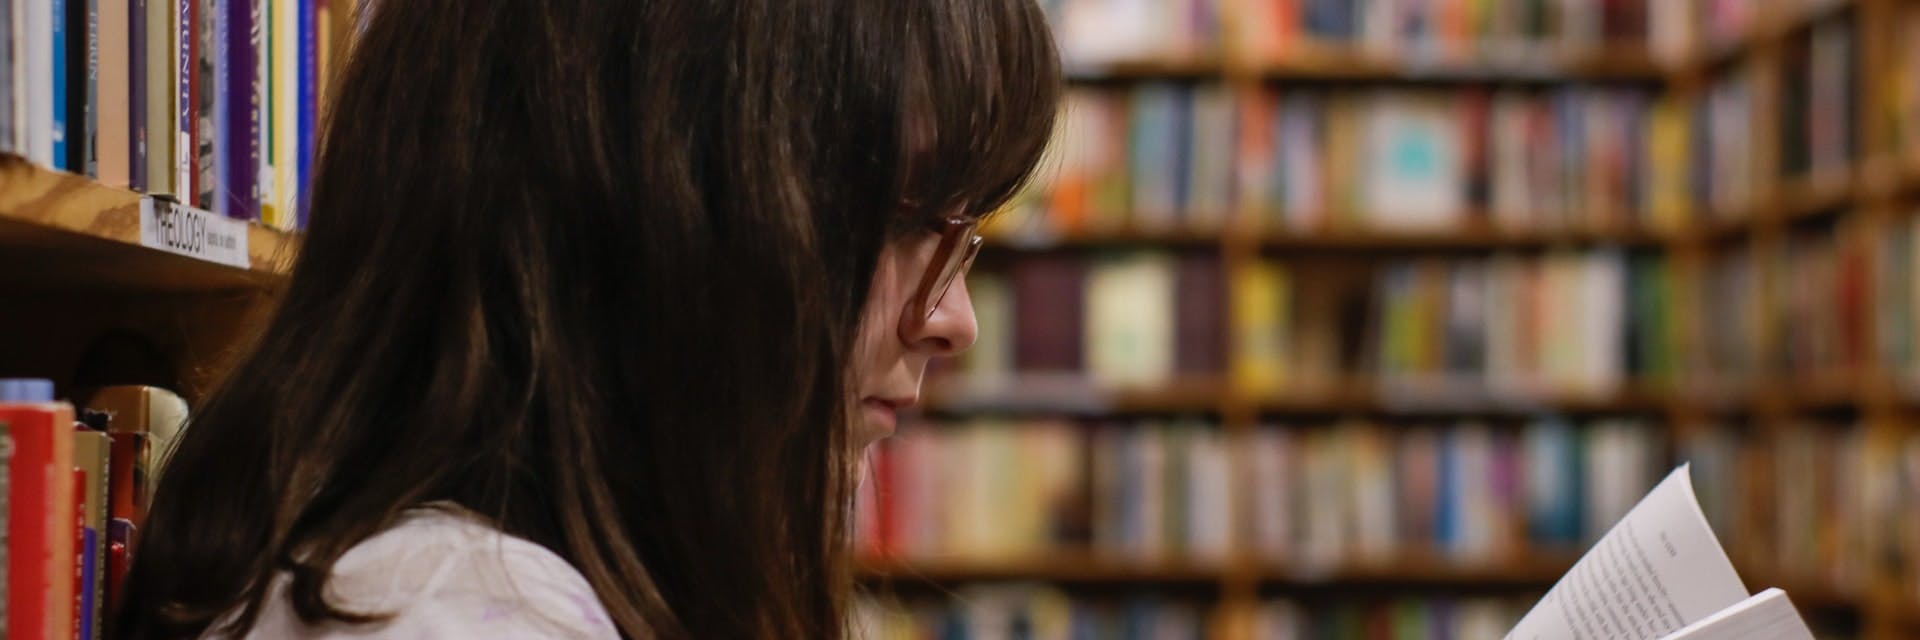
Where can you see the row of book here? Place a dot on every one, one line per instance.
(1818, 84)
(1129, 318)
(1580, 158)
(77, 488)
(1562, 322)
(1817, 501)
(1042, 613)
(1362, 494)
(209, 102)
(1440, 32)
(1163, 157)
(1515, 325)
(1007, 490)
(1426, 32)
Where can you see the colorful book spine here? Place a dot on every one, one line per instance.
(58, 19)
(241, 132)
(83, 50)
(40, 557)
(186, 82)
(137, 82)
(92, 451)
(113, 96)
(308, 94)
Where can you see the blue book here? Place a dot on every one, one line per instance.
(1553, 483)
(59, 11)
(90, 586)
(308, 100)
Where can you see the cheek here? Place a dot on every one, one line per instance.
(879, 324)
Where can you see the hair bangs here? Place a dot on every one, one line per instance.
(987, 93)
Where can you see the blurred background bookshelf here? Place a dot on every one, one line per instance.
(1430, 289)
(1326, 318)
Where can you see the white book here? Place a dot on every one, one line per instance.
(1413, 172)
(1660, 573)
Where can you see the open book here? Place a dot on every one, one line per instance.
(1660, 574)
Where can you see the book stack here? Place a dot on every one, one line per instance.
(1725, 123)
(1027, 611)
(1409, 617)
(1422, 160)
(1819, 80)
(988, 491)
(1824, 284)
(1112, 319)
(1824, 520)
(1448, 32)
(1096, 34)
(208, 102)
(1152, 157)
(1900, 106)
(75, 495)
(1361, 494)
(1730, 304)
(1583, 323)
(1896, 303)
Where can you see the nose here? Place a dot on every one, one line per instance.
(950, 330)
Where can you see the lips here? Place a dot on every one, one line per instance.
(883, 414)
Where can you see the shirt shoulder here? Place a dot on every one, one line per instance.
(444, 573)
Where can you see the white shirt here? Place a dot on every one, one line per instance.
(442, 572)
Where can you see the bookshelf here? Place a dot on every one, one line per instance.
(1876, 186)
(72, 232)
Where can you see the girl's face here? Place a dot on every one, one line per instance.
(893, 348)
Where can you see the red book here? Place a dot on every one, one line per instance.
(40, 554)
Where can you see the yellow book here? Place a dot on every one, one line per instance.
(1666, 169)
(279, 211)
(1261, 302)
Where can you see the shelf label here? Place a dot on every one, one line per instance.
(194, 233)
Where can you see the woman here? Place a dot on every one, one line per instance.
(601, 301)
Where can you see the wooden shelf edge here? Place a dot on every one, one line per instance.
(54, 210)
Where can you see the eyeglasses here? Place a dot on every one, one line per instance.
(959, 244)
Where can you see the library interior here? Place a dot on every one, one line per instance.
(1321, 318)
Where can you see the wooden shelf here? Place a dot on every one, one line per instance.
(1074, 394)
(60, 231)
(1105, 238)
(1371, 400)
(1346, 63)
(1768, 28)
(1196, 68)
(1457, 240)
(1070, 567)
(1428, 570)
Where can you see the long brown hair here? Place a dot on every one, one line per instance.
(593, 269)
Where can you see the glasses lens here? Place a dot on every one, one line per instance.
(955, 267)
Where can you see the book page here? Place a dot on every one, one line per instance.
(1768, 615)
(1658, 570)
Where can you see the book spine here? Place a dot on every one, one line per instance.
(240, 131)
(161, 95)
(58, 54)
(114, 104)
(205, 85)
(84, 49)
(137, 61)
(8, 143)
(40, 561)
(92, 452)
(186, 75)
(306, 102)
